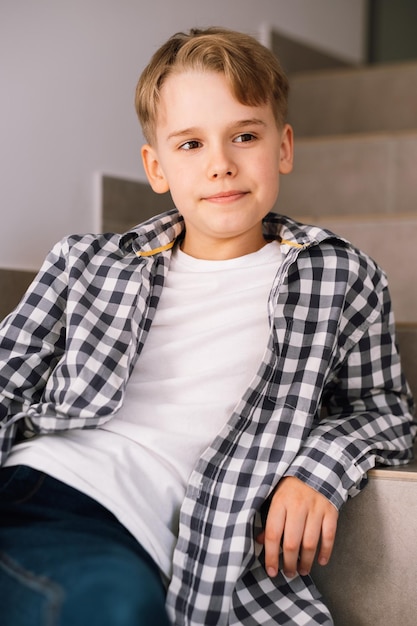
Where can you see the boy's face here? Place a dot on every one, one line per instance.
(221, 161)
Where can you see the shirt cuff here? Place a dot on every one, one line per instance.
(325, 467)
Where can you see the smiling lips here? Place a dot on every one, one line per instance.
(225, 197)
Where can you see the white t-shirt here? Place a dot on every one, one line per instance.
(205, 345)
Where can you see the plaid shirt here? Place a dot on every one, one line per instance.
(67, 351)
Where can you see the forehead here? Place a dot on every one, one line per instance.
(202, 97)
(182, 88)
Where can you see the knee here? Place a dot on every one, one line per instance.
(115, 604)
(127, 611)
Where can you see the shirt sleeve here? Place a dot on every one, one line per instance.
(367, 417)
(32, 339)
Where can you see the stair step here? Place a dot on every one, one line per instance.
(374, 537)
(372, 98)
(390, 241)
(13, 284)
(126, 202)
(371, 576)
(351, 175)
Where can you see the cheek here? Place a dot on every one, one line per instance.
(267, 163)
(270, 181)
(181, 195)
(268, 174)
(180, 175)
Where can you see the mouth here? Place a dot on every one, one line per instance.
(225, 197)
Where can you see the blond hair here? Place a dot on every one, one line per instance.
(253, 72)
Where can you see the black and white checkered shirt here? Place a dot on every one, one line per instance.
(67, 351)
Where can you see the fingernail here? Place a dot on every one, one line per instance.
(290, 574)
(272, 572)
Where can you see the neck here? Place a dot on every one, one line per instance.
(221, 250)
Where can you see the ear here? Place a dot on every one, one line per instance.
(287, 150)
(153, 169)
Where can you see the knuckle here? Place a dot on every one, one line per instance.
(271, 535)
(329, 533)
(309, 546)
(291, 546)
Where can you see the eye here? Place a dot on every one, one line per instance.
(190, 145)
(244, 138)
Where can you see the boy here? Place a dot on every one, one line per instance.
(174, 379)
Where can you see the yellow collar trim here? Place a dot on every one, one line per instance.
(168, 246)
(285, 242)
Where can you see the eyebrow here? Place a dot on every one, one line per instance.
(194, 130)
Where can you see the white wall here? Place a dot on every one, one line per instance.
(68, 69)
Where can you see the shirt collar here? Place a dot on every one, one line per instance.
(159, 233)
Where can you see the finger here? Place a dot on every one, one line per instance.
(328, 537)
(291, 545)
(272, 536)
(310, 543)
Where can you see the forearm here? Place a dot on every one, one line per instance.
(32, 338)
(369, 419)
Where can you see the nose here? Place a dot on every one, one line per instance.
(221, 173)
(220, 164)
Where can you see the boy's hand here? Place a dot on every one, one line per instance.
(299, 518)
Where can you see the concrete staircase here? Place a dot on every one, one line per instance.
(355, 161)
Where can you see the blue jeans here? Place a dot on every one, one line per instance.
(66, 561)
